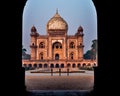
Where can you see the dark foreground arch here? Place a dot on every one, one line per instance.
(99, 86)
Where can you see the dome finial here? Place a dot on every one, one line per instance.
(57, 11)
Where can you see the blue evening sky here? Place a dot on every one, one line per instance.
(75, 12)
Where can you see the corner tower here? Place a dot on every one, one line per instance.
(80, 45)
(33, 42)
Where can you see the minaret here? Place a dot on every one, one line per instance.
(80, 45)
(33, 43)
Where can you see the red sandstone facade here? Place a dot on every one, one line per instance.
(56, 49)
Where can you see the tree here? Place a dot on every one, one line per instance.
(94, 49)
(24, 54)
(94, 45)
(91, 54)
(23, 51)
(87, 55)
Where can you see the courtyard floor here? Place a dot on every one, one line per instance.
(44, 81)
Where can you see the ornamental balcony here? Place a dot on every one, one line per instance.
(80, 46)
(34, 34)
(33, 46)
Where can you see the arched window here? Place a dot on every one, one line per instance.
(78, 65)
(68, 65)
(35, 65)
(42, 45)
(72, 45)
(41, 56)
(84, 65)
(25, 65)
(40, 65)
(57, 66)
(94, 64)
(73, 65)
(57, 45)
(52, 65)
(45, 65)
(88, 64)
(32, 44)
(80, 44)
(56, 56)
(72, 56)
(30, 66)
(62, 65)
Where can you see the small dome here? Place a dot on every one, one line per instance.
(80, 29)
(33, 29)
(57, 23)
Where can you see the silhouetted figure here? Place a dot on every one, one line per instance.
(67, 71)
(59, 72)
(51, 72)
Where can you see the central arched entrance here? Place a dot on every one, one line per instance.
(57, 51)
